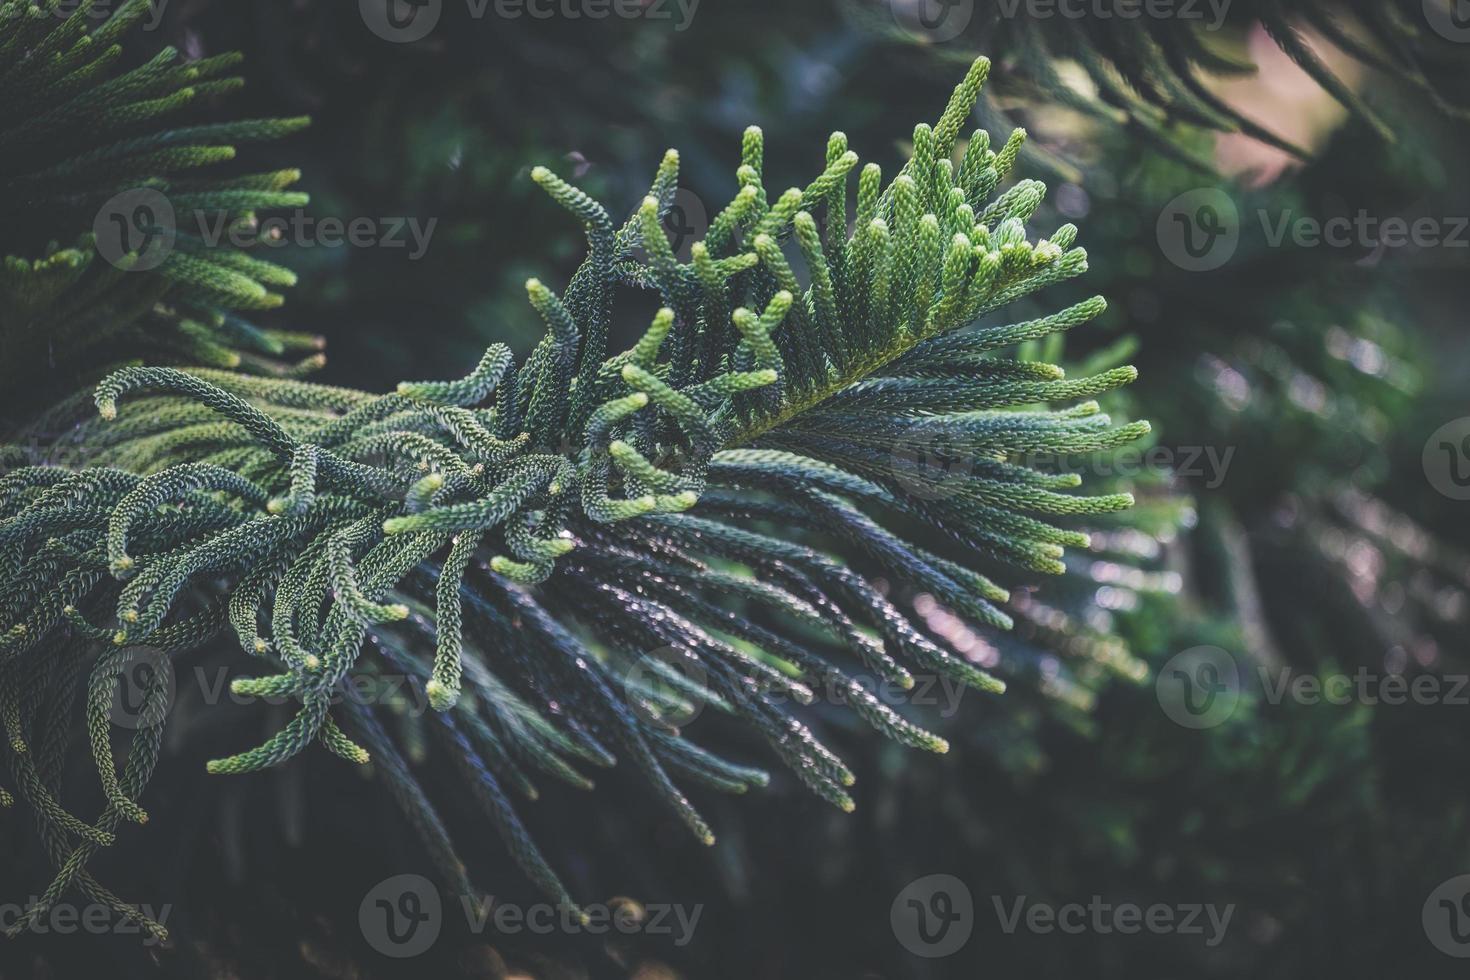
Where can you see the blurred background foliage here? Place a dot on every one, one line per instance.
(1321, 549)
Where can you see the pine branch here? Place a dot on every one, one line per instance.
(568, 517)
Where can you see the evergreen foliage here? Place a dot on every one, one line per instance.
(1152, 70)
(725, 492)
(86, 142)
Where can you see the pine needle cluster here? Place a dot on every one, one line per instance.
(568, 554)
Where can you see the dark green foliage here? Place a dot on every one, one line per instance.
(1332, 352)
(568, 554)
(1151, 71)
(87, 142)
